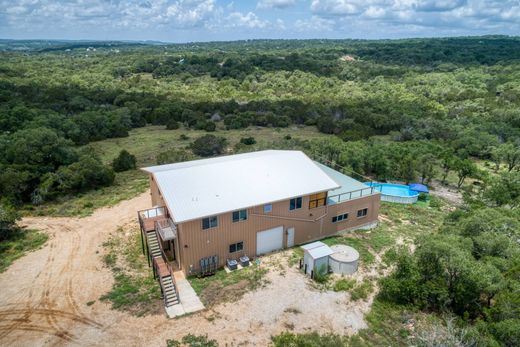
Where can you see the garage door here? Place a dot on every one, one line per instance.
(269, 240)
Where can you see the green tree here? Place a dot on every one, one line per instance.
(209, 145)
(510, 154)
(124, 161)
(465, 168)
(504, 190)
(8, 218)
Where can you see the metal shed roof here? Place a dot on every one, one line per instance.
(318, 250)
(208, 187)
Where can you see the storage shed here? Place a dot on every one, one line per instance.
(316, 257)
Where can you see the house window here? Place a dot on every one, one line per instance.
(295, 203)
(210, 222)
(268, 208)
(239, 215)
(317, 200)
(340, 218)
(362, 213)
(236, 247)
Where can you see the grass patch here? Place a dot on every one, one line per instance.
(20, 243)
(309, 339)
(228, 287)
(295, 256)
(343, 285)
(192, 341)
(134, 290)
(362, 291)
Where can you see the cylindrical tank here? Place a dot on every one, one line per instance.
(344, 260)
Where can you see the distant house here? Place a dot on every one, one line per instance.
(211, 210)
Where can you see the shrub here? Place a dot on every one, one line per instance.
(209, 145)
(248, 140)
(8, 218)
(184, 137)
(124, 161)
(87, 173)
(321, 275)
(191, 340)
(210, 126)
(172, 125)
(174, 156)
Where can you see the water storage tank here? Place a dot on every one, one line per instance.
(344, 260)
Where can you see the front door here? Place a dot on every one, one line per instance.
(290, 237)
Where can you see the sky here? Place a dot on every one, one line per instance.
(217, 20)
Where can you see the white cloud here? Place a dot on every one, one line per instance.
(248, 20)
(275, 3)
(190, 13)
(315, 23)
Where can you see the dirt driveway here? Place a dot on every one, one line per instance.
(44, 296)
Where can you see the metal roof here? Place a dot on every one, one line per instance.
(208, 187)
(312, 245)
(320, 251)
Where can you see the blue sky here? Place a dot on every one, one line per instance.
(209, 20)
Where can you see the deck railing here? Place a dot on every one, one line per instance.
(166, 229)
(336, 199)
(152, 212)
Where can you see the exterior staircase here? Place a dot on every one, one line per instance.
(165, 278)
(153, 244)
(170, 293)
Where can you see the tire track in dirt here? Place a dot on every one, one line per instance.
(58, 320)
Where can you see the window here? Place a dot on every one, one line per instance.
(317, 200)
(362, 213)
(268, 208)
(340, 218)
(295, 204)
(239, 215)
(210, 222)
(236, 247)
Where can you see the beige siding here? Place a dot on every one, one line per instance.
(157, 199)
(309, 224)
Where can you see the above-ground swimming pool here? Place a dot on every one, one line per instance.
(395, 192)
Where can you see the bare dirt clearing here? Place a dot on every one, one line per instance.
(44, 296)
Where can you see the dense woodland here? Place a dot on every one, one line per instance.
(406, 110)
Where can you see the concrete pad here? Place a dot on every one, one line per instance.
(188, 300)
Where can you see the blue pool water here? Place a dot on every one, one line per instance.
(393, 189)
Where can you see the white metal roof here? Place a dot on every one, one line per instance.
(201, 188)
(318, 250)
(312, 245)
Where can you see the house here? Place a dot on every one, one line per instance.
(211, 210)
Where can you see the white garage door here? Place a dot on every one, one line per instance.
(269, 240)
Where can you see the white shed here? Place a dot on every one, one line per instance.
(316, 257)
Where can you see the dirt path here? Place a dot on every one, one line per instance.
(44, 296)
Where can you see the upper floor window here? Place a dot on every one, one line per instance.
(317, 200)
(209, 222)
(340, 218)
(295, 203)
(268, 208)
(362, 213)
(239, 215)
